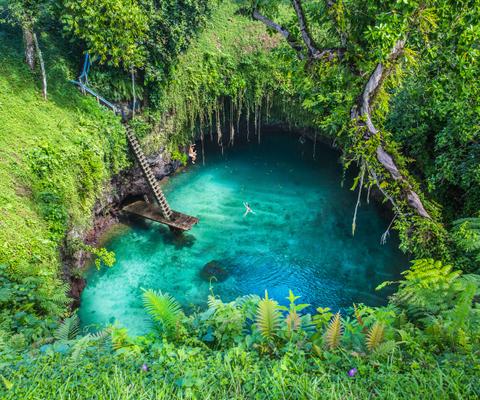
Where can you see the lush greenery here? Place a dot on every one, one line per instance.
(254, 348)
(207, 69)
(57, 157)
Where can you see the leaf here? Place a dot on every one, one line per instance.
(163, 309)
(268, 317)
(375, 336)
(8, 385)
(68, 329)
(334, 332)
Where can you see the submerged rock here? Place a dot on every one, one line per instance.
(213, 270)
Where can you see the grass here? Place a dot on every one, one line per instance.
(191, 373)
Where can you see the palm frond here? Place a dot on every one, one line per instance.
(268, 317)
(334, 332)
(375, 336)
(68, 329)
(163, 309)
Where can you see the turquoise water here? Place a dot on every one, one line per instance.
(299, 237)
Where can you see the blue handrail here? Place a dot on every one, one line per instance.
(82, 84)
(86, 69)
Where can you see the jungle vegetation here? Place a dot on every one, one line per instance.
(394, 84)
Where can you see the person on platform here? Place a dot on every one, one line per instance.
(192, 153)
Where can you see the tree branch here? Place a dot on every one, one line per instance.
(313, 51)
(361, 113)
(282, 31)
(302, 23)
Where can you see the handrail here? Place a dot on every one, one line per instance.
(82, 83)
(99, 98)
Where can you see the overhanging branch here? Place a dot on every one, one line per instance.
(282, 31)
(313, 51)
(361, 113)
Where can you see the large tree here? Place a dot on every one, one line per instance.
(391, 34)
(26, 14)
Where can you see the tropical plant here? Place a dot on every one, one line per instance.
(164, 310)
(293, 320)
(333, 333)
(375, 336)
(466, 236)
(428, 288)
(268, 318)
(68, 329)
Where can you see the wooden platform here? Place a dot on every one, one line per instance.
(178, 221)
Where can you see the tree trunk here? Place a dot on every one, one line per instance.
(29, 43)
(42, 66)
(133, 93)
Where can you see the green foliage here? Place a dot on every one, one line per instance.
(466, 237)
(429, 286)
(394, 356)
(433, 116)
(68, 329)
(164, 310)
(56, 158)
(113, 30)
(24, 13)
(268, 317)
(333, 333)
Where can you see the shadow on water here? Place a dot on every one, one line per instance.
(299, 237)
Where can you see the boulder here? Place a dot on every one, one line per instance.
(214, 271)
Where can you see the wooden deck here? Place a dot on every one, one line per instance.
(178, 221)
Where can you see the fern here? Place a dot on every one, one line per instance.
(334, 332)
(80, 346)
(214, 303)
(375, 336)
(68, 329)
(466, 235)
(163, 309)
(460, 314)
(429, 288)
(268, 317)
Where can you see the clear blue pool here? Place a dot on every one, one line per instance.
(299, 237)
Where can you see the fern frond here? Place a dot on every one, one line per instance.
(80, 346)
(293, 321)
(473, 222)
(163, 309)
(102, 336)
(213, 302)
(461, 312)
(268, 317)
(334, 332)
(249, 298)
(68, 329)
(375, 336)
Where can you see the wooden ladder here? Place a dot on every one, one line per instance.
(147, 171)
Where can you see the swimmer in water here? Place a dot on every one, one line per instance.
(247, 209)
